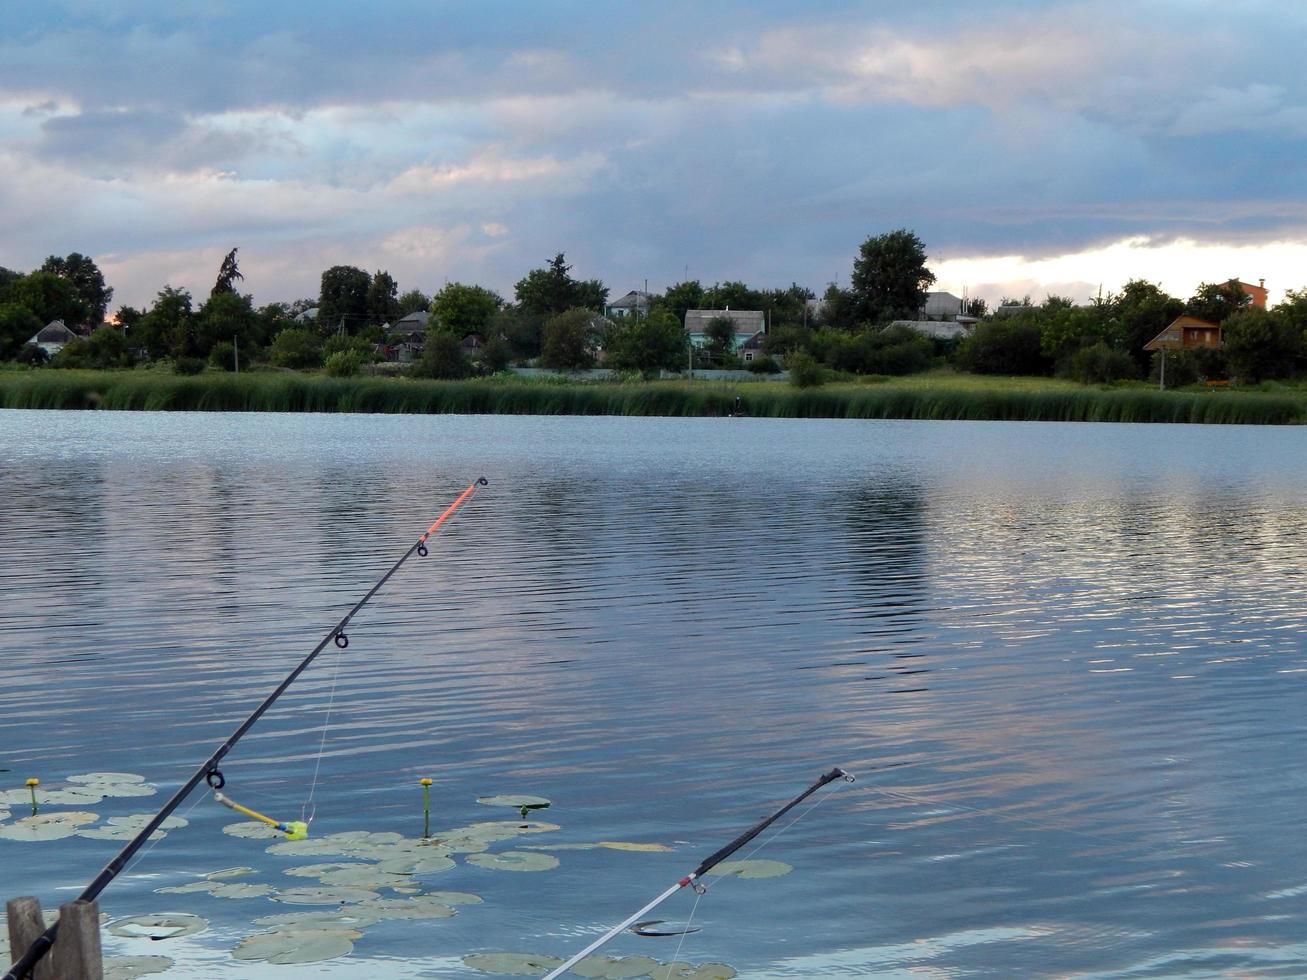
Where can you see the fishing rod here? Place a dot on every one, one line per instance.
(209, 771)
(706, 865)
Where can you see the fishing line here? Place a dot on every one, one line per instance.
(308, 810)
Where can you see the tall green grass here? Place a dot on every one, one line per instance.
(956, 399)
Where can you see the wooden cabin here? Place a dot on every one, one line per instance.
(1185, 333)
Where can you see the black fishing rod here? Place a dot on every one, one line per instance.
(706, 865)
(209, 772)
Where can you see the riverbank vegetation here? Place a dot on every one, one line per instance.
(938, 395)
(881, 325)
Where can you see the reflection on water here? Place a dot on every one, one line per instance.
(1066, 662)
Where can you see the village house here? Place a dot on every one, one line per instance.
(405, 338)
(53, 337)
(941, 306)
(1186, 333)
(635, 301)
(747, 323)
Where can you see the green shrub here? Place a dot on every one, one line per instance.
(1099, 364)
(223, 356)
(763, 365)
(188, 365)
(442, 358)
(1003, 347)
(343, 364)
(805, 372)
(105, 348)
(295, 347)
(33, 355)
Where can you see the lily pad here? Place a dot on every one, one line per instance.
(324, 896)
(73, 796)
(512, 964)
(514, 861)
(253, 829)
(124, 789)
(172, 925)
(416, 865)
(688, 971)
(417, 907)
(615, 967)
(515, 800)
(222, 889)
(131, 967)
(622, 845)
(751, 869)
(48, 826)
(225, 873)
(453, 898)
(354, 917)
(107, 777)
(297, 946)
(125, 828)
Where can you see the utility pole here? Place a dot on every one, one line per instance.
(236, 353)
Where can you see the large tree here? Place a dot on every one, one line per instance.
(413, 301)
(227, 317)
(552, 290)
(461, 309)
(890, 278)
(646, 343)
(1138, 314)
(684, 296)
(167, 328)
(383, 298)
(87, 282)
(49, 296)
(343, 299)
(228, 273)
(732, 295)
(18, 325)
(1216, 301)
(570, 340)
(1260, 345)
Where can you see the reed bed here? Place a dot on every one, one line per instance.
(952, 398)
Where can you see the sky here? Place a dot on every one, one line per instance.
(1035, 147)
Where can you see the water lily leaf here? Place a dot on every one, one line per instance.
(324, 896)
(512, 964)
(47, 826)
(186, 889)
(751, 869)
(131, 967)
(688, 971)
(314, 870)
(253, 829)
(615, 967)
(297, 946)
(416, 865)
(354, 917)
(512, 828)
(73, 796)
(355, 843)
(221, 889)
(514, 861)
(229, 873)
(417, 907)
(172, 925)
(453, 898)
(107, 777)
(123, 789)
(515, 800)
(125, 828)
(622, 845)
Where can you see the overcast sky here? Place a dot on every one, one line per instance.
(1034, 146)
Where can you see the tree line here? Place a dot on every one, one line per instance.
(555, 319)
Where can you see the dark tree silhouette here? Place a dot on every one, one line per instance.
(227, 275)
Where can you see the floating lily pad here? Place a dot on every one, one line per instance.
(751, 869)
(514, 861)
(453, 898)
(48, 826)
(416, 865)
(354, 917)
(512, 964)
(297, 946)
(417, 907)
(107, 777)
(688, 971)
(73, 796)
(226, 873)
(357, 843)
(125, 828)
(131, 967)
(221, 889)
(123, 789)
(622, 845)
(252, 829)
(172, 925)
(324, 896)
(514, 800)
(615, 967)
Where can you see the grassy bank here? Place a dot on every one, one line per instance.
(930, 396)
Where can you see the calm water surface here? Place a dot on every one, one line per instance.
(1065, 661)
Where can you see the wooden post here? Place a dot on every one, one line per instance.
(25, 927)
(76, 954)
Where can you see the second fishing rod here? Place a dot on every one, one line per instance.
(209, 771)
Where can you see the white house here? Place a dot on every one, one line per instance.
(636, 301)
(53, 337)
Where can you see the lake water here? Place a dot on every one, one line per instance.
(1066, 663)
